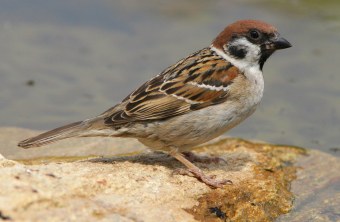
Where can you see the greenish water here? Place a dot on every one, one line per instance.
(63, 61)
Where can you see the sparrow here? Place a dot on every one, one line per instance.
(191, 102)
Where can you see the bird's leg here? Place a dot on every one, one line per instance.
(202, 159)
(197, 172)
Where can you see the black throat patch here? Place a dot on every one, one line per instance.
(265, 54)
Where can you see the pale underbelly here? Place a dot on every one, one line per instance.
(187, 131)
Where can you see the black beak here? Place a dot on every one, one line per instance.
(268, 48)
(280, 43)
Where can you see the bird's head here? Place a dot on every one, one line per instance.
(250, 41)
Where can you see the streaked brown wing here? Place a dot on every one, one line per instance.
(198, 81)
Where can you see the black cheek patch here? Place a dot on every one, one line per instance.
(237, 52)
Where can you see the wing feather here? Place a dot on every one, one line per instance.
(198, 81)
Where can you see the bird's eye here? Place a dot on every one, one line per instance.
(254, 34)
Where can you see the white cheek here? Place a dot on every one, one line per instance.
(242, 64)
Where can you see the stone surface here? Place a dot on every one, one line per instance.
(316, 189)
(6, 163)
(142, 187)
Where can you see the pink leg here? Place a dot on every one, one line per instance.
(197, 172)
(192, 157)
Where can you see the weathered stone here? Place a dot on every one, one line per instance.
(142, 187)
(6, 163)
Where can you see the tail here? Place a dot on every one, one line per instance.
(70, 130)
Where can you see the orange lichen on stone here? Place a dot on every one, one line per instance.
(262, 197)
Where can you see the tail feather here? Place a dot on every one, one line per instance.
(70, 130)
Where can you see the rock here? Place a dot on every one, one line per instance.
(142, 187)
(263, 194)
(316, 189)
(6, 163)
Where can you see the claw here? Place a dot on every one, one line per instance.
(207, 179)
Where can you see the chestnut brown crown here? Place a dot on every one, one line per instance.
(240, 28)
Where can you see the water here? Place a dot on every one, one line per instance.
(63, 61)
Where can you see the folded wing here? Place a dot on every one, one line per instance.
(198, 81)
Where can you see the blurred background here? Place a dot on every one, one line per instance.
(67, 60)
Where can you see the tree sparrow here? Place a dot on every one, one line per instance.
(191, 102)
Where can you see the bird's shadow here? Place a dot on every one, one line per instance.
(229, 162)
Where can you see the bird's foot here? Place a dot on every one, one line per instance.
(193, 170)
(209, 180)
